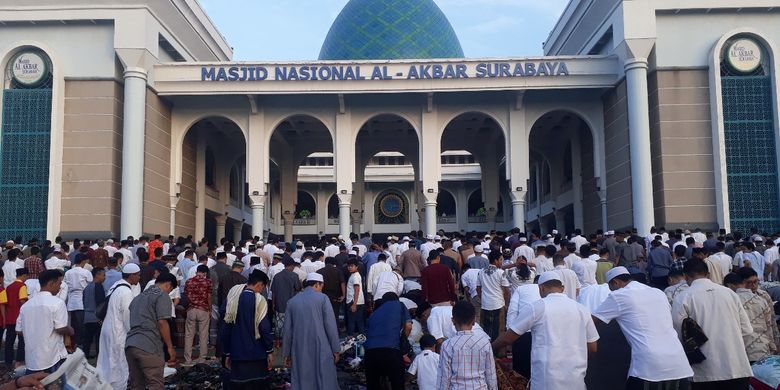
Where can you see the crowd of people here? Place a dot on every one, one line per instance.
(695, 308)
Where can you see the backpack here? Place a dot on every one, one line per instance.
(102, 309)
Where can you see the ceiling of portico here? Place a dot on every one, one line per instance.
(302, 135)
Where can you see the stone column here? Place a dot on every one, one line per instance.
(174, 203)
(345, 201)
(258, 214)
(518, 209)
(221, 223)
(639, 138)
(200, 187)
(238, 227)
(288, 216)
(133, 133)
(430, 213)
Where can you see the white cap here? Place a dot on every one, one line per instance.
(313, 276)
(259, 242)
(617, 271)
(758, 239)
(341, 237)
(523, 239)
(299, 244)
(408, 303)
(437, 238)
(478, 248)
(389, 238)
(548, 276)
(131, 268)
(488, 236)
(610, 232)
(429, 237)
(554, 232)
(406, 238)
(353, 253)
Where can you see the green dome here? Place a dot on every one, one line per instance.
(390, 29)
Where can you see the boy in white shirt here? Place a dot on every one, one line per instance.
(426, 365)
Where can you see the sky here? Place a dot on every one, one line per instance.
(262, 30)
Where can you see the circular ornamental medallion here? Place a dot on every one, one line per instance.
(391, 205)
(29, 69)
(744, 55)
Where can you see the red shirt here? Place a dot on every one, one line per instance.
(198, 290)
(154, 244)
(437, 284)
(12, 298)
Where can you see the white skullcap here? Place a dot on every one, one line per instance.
(478, 248)
(340, 237)
(437, 237)
(353, 253)
(523, 239)
(131, 268)
(429, 237)
(406, 238)
(554, 232)
(408, 303)
(550, 275)
(488, 236)
(314, 277)
(617, 271)
(610, 232)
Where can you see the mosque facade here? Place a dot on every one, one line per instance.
(129, 117)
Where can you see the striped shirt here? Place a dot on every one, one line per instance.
(466, 363)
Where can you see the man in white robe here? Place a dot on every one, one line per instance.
(112, 363)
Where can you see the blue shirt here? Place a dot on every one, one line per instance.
(384, 326)
(370, 258)
(112, 276)
(184, 266)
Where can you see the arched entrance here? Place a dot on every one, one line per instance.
(563, 190)
(213, 166)
(294, 141)
(474, 143)
(386, 159)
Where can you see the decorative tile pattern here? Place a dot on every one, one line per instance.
(390, 29)
(751, 159)
(24, 163)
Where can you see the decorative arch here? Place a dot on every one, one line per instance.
(305, 205)
(446, 205)
(178, 142)
(597, 136)
(391, 207)
(364, 119)
(476, 207)
(319, 118)
(725, 196)
(28, 117)
(333, 206)
(501, 124)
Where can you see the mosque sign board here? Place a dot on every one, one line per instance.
(339, 72)
(386, 76)
(744, 55)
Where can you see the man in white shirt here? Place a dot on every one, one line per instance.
(579, 241)
(543, 260)
(427, 246)
(333, 248)
(720, 314)
(388, 281)
(585, 268)
(523, 250)
(112, 362)
(750, 257)
(493, 290)
(572, 256)
(523, 296)
(563, 334)
(571, 285)
(77, 279)
(771, 255)
(644, 316)
(299, 251)
(721, 259)
(377, 268)
(43, 322)
(10, 266)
